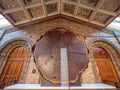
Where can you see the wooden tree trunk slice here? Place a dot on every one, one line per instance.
(47, 55)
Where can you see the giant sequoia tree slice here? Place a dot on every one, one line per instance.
(47, 55)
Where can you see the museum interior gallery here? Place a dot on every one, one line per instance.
(60, 44)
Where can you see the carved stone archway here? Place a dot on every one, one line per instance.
(113, 51)
(5, 51)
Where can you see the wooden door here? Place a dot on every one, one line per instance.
(14, 64)
(105, 65)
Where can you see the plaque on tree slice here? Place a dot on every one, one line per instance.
(47, 55)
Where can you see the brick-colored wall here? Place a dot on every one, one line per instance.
(33, 32)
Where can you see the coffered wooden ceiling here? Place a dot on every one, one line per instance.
(99, 12)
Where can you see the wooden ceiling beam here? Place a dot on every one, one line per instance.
(59, 6)
(81, 18)
(36, 18)
(44, 7)
(76, 7)
(21, 22)
(53, 14)
(97, 23)
(12, 10)
(87, 7)
(107, 12)
(67, 14)
(52, 1)
(33, 5)
(92, 15)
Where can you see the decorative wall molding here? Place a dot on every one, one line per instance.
(2, 32)
(10, 30)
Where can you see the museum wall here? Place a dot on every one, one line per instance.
(93, 37)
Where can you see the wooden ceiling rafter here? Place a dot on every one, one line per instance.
(76, 7)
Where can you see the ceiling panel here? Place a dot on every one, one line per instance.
(36, 11)
(18, 16)
(101, 18)
(51, 8)
(83, 12)
(22, 11)
(68, 8)
(111, 5)
(8, 4)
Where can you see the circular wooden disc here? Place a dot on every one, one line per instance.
(47, 55)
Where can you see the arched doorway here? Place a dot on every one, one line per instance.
(13, 66)
(106, 68)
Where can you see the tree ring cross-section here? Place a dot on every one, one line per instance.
(47, 55)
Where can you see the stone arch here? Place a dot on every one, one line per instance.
(6, 50)
(111, 49)
(91, 41)
(14, 39)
